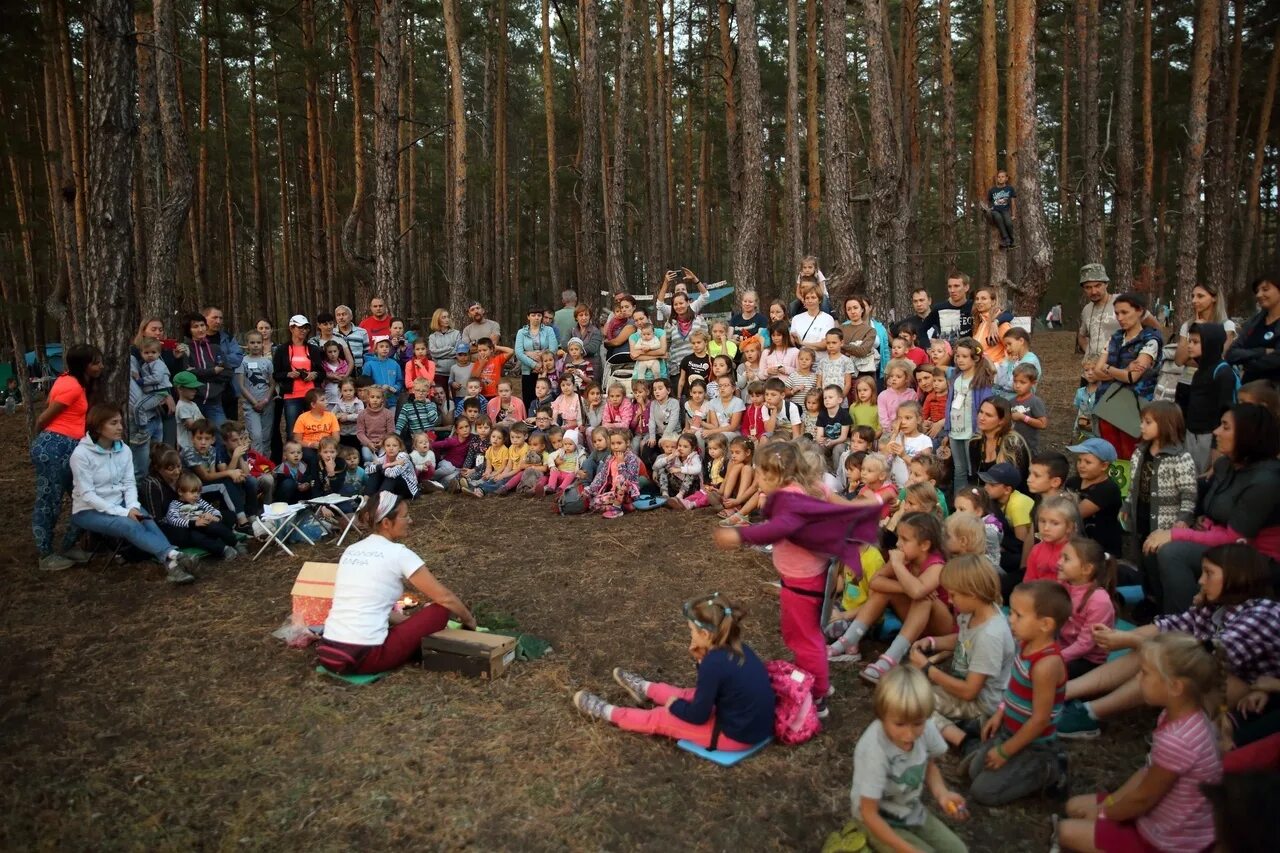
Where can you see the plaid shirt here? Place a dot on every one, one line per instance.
(1247, 632)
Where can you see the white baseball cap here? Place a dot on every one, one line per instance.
(299, 320)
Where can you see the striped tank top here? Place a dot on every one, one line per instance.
(1017, 696)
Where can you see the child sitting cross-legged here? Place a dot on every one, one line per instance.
(616, 484)
(730, 708)
(895, 759)
(680, 474)
(1162, 806)
(392, 470)
(909, 584)
(970, 687)
(974, 505)
(1018, 755)
(1089, 574)
(201, 519)
(562, 465)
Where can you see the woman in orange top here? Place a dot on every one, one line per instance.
(987, 328)
(61, 426)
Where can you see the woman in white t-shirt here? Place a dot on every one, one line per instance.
(809, 330)
(364, 633)
(1207, 307)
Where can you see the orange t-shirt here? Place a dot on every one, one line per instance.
(489, 373)
(68, 391)
(311, 428)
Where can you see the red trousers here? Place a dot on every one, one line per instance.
(801, 628)
(660, 721)
(403, 644)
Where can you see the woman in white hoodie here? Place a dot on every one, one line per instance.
(104, 494)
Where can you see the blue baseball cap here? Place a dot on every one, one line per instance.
(1003, 473)
(464, 347)
(1098, 447)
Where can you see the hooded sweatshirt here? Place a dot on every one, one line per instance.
(102, 480)
(1213, 387)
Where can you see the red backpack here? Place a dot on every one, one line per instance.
(795, 719)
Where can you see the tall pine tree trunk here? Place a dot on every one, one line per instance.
(1091, 190)
(200, 256)
(1253, 209)
(112, 72)
(1146, 199)
(985, 165)
(257, 259)
(1037, 258)
(813, 200)
(456, 196)
(387, 281)
(1220, 186)
(889, 194)
(794, 211)
(614, 220)
(1123, 271)
(1206, 36)
(848, 274)
(359, 263)
(175, 202)
(749, 218)
(319, 276)
(549, 110)
(947, 178)
(590, 219)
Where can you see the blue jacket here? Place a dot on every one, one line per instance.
(527, 342)
(384, 371)
(737, 690)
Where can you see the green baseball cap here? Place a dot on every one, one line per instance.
(185, 379)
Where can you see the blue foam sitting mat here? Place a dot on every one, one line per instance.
(725, 758)
(647, 502)
(1130, 594)
(352, 679)
(890, 625)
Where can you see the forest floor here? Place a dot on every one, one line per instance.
(137, 715)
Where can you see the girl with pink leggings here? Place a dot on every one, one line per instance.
(563, 464)
(730, 708)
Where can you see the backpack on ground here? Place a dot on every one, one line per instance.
(571, 501)
(795, 719)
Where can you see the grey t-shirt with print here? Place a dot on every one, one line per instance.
(987, 650)
(882, 771)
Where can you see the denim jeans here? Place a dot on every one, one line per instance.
(961, 474)
(293, 407)
(143, 535)
(213, 412)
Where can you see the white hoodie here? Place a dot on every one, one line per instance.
(102, 480)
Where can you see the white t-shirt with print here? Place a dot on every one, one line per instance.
(371, 576)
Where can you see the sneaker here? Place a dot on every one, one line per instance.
(77, 555)
(592, 705)
(874, 671)
(230, 553)
(632, 683)
(820, 705)
(260, 531)
(1075, 722)
(175, 569)
(55, 563)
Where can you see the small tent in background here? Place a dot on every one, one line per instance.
(53, 354)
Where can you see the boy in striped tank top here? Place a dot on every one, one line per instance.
(1018, 755)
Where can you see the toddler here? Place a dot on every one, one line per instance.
(424, 461)
(201, 519)
(563, 464)
(680, 475)
(1029, 413)
(646, 347)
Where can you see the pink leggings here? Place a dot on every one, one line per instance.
(557, 480)
(801, 628)
(660, 721)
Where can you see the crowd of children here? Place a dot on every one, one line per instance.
(900, 476)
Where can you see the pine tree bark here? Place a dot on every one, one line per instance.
(112, 72)
(501, 207)
(318, 250)
(651, 148)
(288, 261)
(590, 219)
(848, 274)
(985, 164)
(1037, 257)
(456, 206)
(360, 263)
(1253, 208)
(200, 258)
(813, 200)
(387, 279)
(749, 218)
(1091, 189)
(794, 210)
(549, 111)
(1220, 186)
(947, 177)
(614, 218)
(1065, 202)
(230, 295)
(890, 196)
(1146, 199)
(1123, 202)
(174, 193)
(257, 253)
(729, 76)
(1206, 35)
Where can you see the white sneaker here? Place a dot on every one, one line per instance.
(260, 531)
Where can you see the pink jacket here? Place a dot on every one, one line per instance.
(888, 402)
(517, 409)
(619, 417)
(785, 359)
(1076, 637)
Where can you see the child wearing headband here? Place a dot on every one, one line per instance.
(731, 706)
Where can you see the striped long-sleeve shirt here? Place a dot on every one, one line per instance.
(184, 514)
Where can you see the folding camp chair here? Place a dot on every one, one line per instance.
(334, 504)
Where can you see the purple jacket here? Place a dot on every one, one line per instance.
(817, 525)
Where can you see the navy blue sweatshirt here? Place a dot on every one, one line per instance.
(737, 689)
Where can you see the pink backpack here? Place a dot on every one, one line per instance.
(795, 720)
